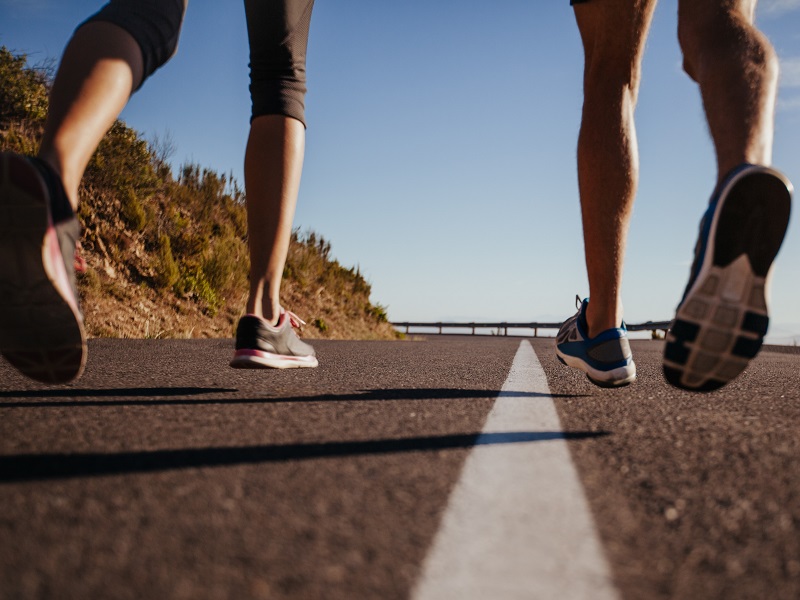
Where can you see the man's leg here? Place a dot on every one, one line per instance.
(613, 34)
(722, 319)
(737, 71)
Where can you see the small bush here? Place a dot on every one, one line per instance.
(23, 94)
(226, 265)
(167, 274)
(132, 211)
(378, 312)
(195, 282)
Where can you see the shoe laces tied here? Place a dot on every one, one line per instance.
(294, 320)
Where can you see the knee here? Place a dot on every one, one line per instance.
(609, 72)
(725, 36)
(154, 24)
(613, 45)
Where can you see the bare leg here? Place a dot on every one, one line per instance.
(102, 65)
(613, 34)
(272, 168)
(737, 71)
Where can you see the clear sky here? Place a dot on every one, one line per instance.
(441, 146)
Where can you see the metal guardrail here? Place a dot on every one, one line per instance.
(504, 326)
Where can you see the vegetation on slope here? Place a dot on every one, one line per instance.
(167, 254)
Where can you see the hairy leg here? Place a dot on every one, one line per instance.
(272, 169)
(101, 66)
(613, 34)
(737, 70)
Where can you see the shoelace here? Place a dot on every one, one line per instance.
(79, 262)
(294, 320)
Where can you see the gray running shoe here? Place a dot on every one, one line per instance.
(259, 345)
(41, 325)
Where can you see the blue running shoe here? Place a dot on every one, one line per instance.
(606, 358)
(722, 319)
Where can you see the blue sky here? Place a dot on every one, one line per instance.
(441, 146)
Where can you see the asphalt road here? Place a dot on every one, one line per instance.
(163, 473)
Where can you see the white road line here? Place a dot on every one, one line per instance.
(518, 524)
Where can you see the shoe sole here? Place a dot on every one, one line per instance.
(721, 323)
(618, 377)
(41, 327)
(257, 359)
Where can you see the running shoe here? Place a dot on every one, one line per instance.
(606, 358)
(41, 324)
(260, 345)
(722, 319)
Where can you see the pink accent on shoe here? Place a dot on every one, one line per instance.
(54, 264)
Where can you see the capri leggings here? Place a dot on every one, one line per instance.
(278, 35)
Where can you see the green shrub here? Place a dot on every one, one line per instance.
(167, 274)
(226, 265)
(378, 312)
(195, 283)
(132, 210)
(23, 91)
(122, 161)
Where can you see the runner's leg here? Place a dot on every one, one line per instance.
(107, 58)
(278, 33)
(737, 71)
(613, 34)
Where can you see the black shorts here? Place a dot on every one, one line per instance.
(278, 35)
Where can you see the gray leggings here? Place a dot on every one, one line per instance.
(278, 34)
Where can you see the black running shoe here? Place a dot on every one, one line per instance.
(722, 319)
(41, 325)
(259, 345)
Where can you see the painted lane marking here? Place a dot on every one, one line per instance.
(517, 524)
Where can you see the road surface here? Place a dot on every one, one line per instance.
(429, 468)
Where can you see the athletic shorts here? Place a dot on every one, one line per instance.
(277, 32)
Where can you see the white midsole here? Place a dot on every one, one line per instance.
(618, 376)
(273, 361)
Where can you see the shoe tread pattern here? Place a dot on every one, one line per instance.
(40, 333)
(721, 322)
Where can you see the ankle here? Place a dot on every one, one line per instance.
(600, 319)
(62, 208)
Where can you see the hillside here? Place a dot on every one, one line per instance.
(166, 253)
